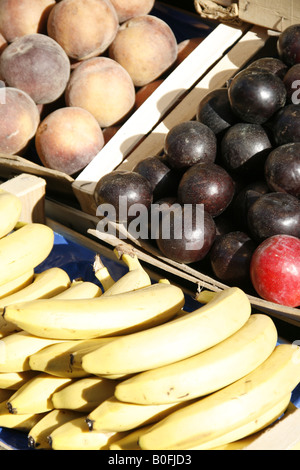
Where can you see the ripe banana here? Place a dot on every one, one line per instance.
(55, 359)
(46, 284)
(14, 380)
(102, 273)
(113, 415)
(24, 249)
(80, 290)
(134, 279)
(229, 408)
(130, 441)
(5, 394)
(20, 422)
(207, 371)
(74, 435)
(38, 434)
(16, 348)
(83, 395)
(10, 211)
(17, 284)
(266, 418)
(174, 340)
(103, 316)
(35, 396)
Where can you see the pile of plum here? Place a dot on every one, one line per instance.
(239, 159)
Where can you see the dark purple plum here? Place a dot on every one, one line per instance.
(230, 258)
(184, 237)
(282, 169)
(215, 111)
(288, 45)
(291, 81)
(188, 143)
(244, 200)
(123, 187)
(208, 184)
(244, 149)
(274, 213)
(163, 180)
(270, 64)
(255, 96)
(286, 125)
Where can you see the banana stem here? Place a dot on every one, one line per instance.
(126, 254)
(102, 273)
(205, 296)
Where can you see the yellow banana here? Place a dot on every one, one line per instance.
(131, 440)
(19, 422)
(16, 348)
(207, 371)
(113, 415)
(38, 434)
(174, 340)
(80, 290)
(24, 249)
(10, 211)
(134, 279)
(5, 394)
(14, 380)
(102, 273)
(261, 422)
(229, 408)
(103, 316)
(35, 396)
(55, 358)
(245, 441)
(74, 435)
(83, 395)
(46, 284)
(17, 284)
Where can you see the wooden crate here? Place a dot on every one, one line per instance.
(247, 43)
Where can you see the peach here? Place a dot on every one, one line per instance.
(127, 9)
(68, 139)
(3, 45)
(104, 88)
(18, 18)
(37, 65)
(146, 47)
(19, 120)
(83, 28)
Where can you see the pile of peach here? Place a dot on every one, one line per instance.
(72, 70)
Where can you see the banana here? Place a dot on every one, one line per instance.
(174, 340)
(19, 422)
(10, 211)
(207, 371)
(74, 435)
(83, 395)
(5, 394)
(35, 396)
(113, 415)
(16, 284)
(103, 316)
(130, 441)
(55, 359)
(80, 290)
(38, 434)
(24, 249)
(134, 279)
(102, 273)
(14, 380)
(266, 418)
(46, 284)
(230, 408)
(16, 348)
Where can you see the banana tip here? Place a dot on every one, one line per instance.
(90, 423)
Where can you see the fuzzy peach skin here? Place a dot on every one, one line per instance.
(83, 28)
(37, 65)
(127, 9)
(19, 120)
(20, 17)
(146, 47)
(68, 139)
(104, 88)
